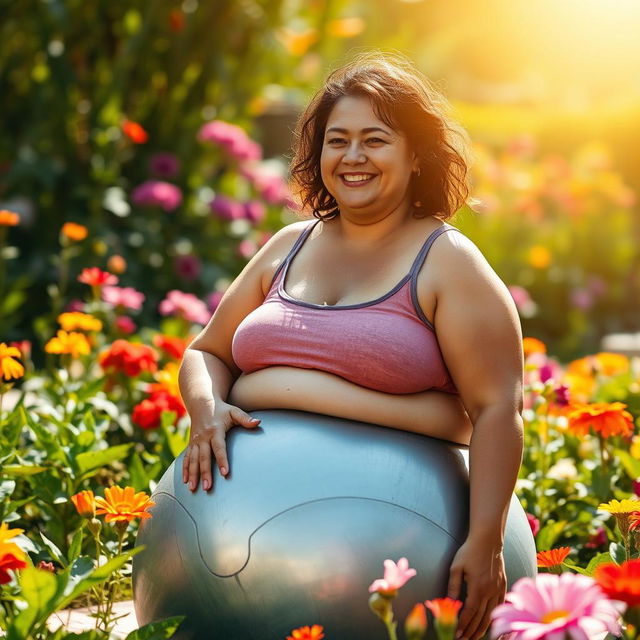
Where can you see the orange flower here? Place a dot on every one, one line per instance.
(167, 380)
(415, 623)
(444, 610)
(605, 418)
(10, 369)
(611, 364)
(539, 257)
(620, 582)
(134, 132)
(6, 544)
(73, 231)
(634, 520)
(117, 264)
(346, 27)
(553, 557)
(85, 503)
(97, 277)
(8, 218)
(9, 562)
(533, 345)
(296, 42)
(73, 343)
(120, 504)
(129, 358)
(173, 346)
(307, 633)
(73, 320)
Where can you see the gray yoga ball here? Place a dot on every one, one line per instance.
(301, 527)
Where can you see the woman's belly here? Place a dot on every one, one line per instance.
(432, 413)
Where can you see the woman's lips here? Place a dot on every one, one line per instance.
(357, 183)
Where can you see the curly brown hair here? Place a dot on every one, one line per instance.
(405, 100)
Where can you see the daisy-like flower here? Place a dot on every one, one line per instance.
(395, 576)
(620, 582)
(85, 503)
(10, 368)
(120, 504)
(73, 343)
(605, 418)
(555, 607)
(314, 632)
(553, 557)
(74, 232)
(76, 320)
(622, 510)
(444, 610)
(97, 277)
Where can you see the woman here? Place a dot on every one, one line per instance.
(339, 315)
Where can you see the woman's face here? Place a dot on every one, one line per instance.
(365, 165)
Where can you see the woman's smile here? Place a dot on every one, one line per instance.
(357, 179)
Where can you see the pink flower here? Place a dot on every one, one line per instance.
(125, 325)
(188, 267)
(214, 300)
(126, 297)
(269, 184)
(155, 193)
(555, 607)
(247, 248)
(232, 139)
(254, 211)
(185, 305)
(164, 165)
(525, 305)
(562, 396)
(227, 208)
(534, 523)
(597, 539)
(582, 299)
(74, 305)
(395, 576)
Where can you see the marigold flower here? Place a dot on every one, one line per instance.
(75, 320)
(10, 369)
(556, 606)
(395, 576)
(129, 358)
(307, 633)
(444, 610)
(148, 413)
(74, 232)
(605, 418)
(134, 132)
(120, 504)
(97, 277)
(85, 503)
(73, 343)
(533, 345)
(553, 557)
(620, 582)
(415, 624)
(8, 218)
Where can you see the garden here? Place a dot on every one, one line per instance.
(143, 162)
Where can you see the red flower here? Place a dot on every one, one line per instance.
(620, 582)
(173, 346)
(9, 562)
(553, 557)
(134, 132)
(307, 633)
(97, 277)
(176, 20)
(148, 413)
(129, 358)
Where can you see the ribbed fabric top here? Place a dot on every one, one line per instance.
(386, 344)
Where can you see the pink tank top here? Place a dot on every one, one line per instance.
(386, 344)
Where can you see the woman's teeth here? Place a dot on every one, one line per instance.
(357, 178)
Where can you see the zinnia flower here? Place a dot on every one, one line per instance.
(126, 297)
(232, 139)
(10, 369)
(533, 345)
(9, 562)
(129, 358)
(254, 211)
(156, 193)
(8, 218)
(73, 343)
(84, 503)
(307, 633)
(148, 413)
(120, 504)
(173, 346)
(415, 624)
(555, 607)
(444, 610)
(226, 208)
(553, 557)
(134, 132)
(605, 418)
(125, 325)
(76, 320)
(74, 232)
(184, 305)
(620, 582)
(97, 277)
(395, 576)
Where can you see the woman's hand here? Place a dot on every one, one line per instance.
(481, 565)
(208, 434)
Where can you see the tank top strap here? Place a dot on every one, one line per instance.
(294, 249)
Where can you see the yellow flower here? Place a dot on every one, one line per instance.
(123, 504)
(6, 544)
(346, 27)
(539, 257)
(73, 231)
(620, 506)
(634, 449)
(74, 343)
(73, 320)
(296, 42)
(10, 369)
(168, 379)
(610, 364)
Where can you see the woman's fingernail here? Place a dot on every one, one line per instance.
(223, 470)
(205, 485)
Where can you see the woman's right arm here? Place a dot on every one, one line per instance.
(207, 370)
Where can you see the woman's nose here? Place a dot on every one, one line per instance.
(354, 154)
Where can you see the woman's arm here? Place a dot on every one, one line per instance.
(480, 337)
(431, 413)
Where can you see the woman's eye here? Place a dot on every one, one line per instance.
(375, 140)
(335, 140)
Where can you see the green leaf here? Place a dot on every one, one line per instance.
(549, 534)
(56, 554)
(75, 548)
(630, 464)
(157, 630)
(138, 477)
(90, 460)
(596, 561)
(175, 441)
(22, 470)
(617, 552)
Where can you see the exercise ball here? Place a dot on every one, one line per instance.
(300, 529)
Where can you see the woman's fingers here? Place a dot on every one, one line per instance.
(204, 461)
(242, 418)
(219, 447)
(486, 620)
(194, 466)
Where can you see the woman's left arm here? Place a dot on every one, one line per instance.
(479, 333)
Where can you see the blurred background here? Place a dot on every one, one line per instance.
(163, 128)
